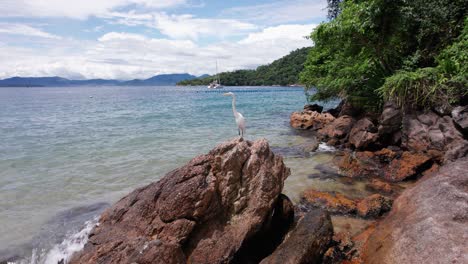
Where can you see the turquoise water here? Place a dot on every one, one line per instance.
(66, 147)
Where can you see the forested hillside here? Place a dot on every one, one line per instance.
(414, 52)
(283, 71)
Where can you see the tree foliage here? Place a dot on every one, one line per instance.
(373, 45)
(283, 71)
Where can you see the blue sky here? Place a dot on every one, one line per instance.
(127, 39)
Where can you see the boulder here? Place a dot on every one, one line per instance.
(338, 128)
(373, 206)
(363, 134)
(423, 132)
(390, 119)
(200, 213)
(428, 222)
(310, 119)
(460, 117)
(314, 107)
(307, 242)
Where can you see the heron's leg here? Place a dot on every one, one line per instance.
(239, 131)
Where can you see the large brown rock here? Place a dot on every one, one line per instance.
(338, 128)
(199, 213)
(310, 119)
(307, 242)
(363, 133)
(428, 223)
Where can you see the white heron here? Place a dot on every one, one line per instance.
(240, 120)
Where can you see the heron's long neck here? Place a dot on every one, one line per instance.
(234, 104)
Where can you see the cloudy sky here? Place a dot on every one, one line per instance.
(127, 39)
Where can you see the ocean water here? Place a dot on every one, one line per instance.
(67, 153)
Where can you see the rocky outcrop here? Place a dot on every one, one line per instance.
(307, 242)
(337, 129)
(363, 134)
(428, 223)
(426, 132)
(203, 212)
(310, 119)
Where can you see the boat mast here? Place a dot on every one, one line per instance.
(217, 75)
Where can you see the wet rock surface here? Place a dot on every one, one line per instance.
(389, 165)
(201, 213)
(371, 206)
(428, 223)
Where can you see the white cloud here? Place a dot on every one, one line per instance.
(282, 32)
(123, 55)
(280, 12)
(25, 30)
(184, 26)
(188, 26)
(74, 9)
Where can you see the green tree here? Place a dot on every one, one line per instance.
(371, 40)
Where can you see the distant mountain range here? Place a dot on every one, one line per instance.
(158, 80)
(283, 71)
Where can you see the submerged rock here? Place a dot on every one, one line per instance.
(428, 223)
(380, 186)
(336, 203)
(202, 212)
(307, 242)
(332, 202)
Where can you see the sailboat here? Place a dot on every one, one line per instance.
(216, 84)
